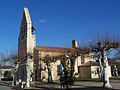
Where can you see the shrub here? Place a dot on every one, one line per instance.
(8, 74)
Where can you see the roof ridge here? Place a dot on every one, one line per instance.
(56, 47)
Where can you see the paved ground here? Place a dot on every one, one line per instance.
(82, 85)
(5, 87)
(114, 83)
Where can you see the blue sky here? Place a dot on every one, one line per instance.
(58, 22)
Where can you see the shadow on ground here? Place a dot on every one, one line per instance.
(86, 88)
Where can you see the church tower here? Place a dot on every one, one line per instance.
(26, 44)
(27, 38)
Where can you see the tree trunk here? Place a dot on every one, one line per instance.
(106, 82)
(115, 71)
(101, 69)
(72, 70)
(14, 79)
(49, 74)
(28, 72)
(15, 75)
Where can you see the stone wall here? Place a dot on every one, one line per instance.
(44, 72)
(90, 71)
(84, 72)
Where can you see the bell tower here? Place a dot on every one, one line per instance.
(26, 44)
(27, 38)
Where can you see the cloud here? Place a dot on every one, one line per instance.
(42, 21)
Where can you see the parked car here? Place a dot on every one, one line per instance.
(6, 79)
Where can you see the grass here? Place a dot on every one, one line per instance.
(115, 78)
(89, 79)
(95, 79)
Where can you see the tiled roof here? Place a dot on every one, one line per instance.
(113, 62)
(56, 49)
(90, 63)
(6, 67)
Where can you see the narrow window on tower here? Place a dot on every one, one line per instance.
(33, 30)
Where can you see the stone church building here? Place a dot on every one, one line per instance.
(31, 56)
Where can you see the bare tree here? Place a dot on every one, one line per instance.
(13, 58)
(48, 59)
(68, 64)
(3, 59)
(8, 59)
(102, 46)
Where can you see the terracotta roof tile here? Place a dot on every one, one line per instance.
(55, 49)
(6, 67)
(113, 62)
(90, 63)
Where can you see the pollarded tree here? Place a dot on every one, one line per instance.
(48, 59)
(102, 46)
(68, 64)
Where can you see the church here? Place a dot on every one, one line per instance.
(31, 57)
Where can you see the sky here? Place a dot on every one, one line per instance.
(58, 22)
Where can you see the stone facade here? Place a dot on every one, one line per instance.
(26, 44)
(42, 51)
(91, 70)
(31, 57)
